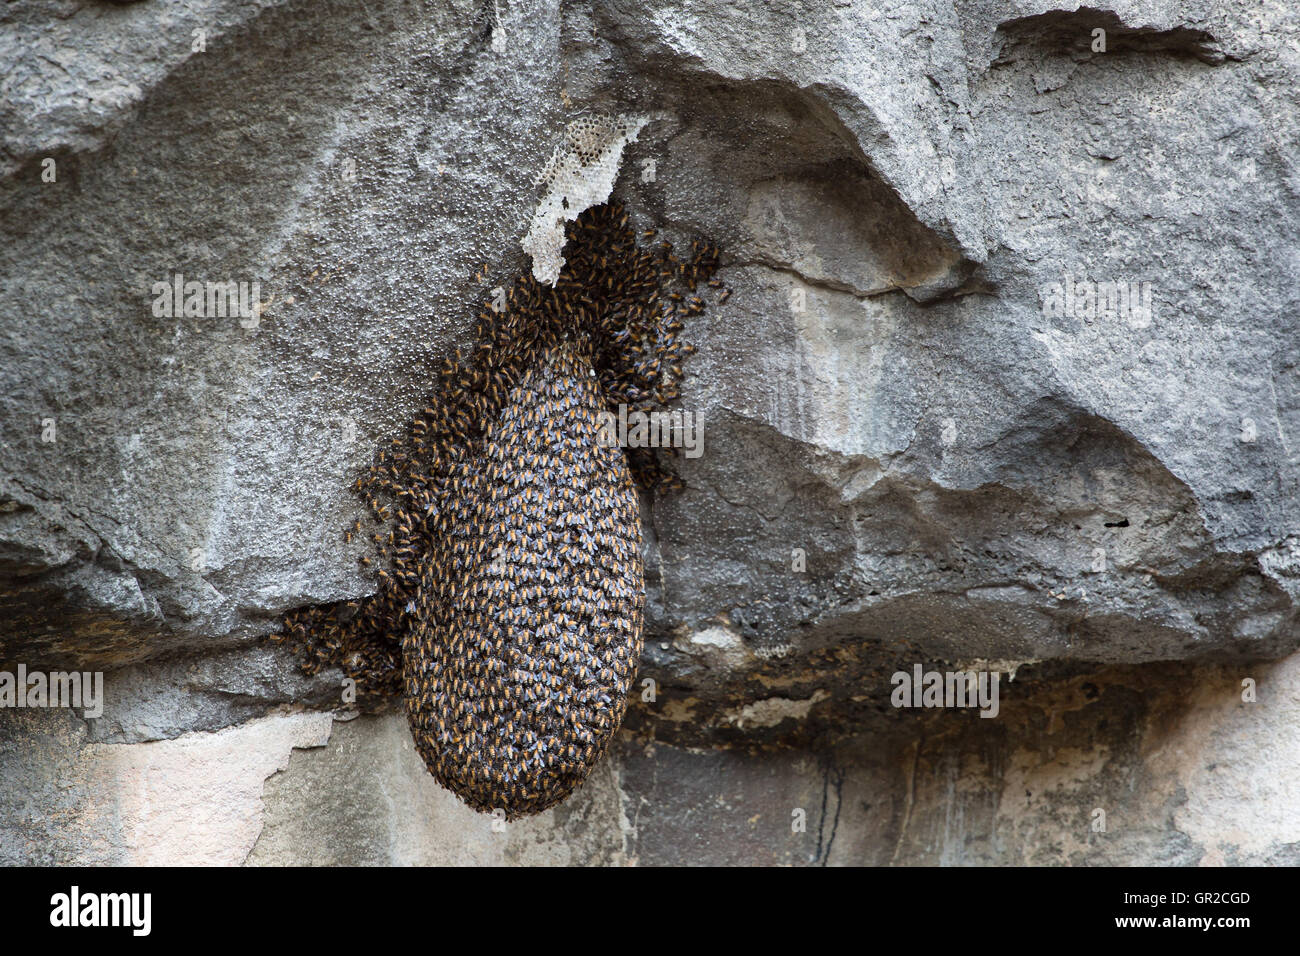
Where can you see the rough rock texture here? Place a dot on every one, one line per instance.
(890, 402)
(1184, 772)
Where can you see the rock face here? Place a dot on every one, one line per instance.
(1009, 379)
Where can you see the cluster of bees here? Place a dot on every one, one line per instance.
(511, 591)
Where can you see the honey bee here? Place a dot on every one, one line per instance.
(504, 455)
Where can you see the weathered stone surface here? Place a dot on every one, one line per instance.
(968, 476)
(1183, 770)
(197, 483)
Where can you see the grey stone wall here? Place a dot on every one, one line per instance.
(919, 447)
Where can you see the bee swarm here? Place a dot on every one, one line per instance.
(511, 591)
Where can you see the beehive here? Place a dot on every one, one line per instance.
(511, 592)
